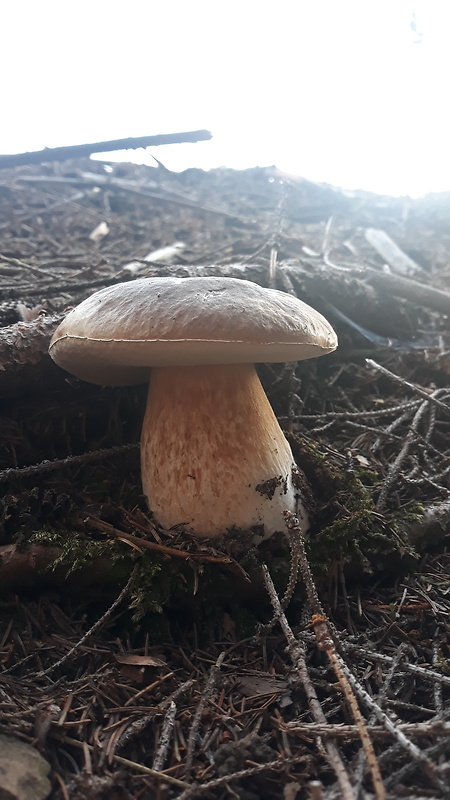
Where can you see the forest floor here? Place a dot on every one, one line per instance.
(140, 663)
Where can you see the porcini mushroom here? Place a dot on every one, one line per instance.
(213, 456)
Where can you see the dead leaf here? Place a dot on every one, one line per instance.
(140, 661)
(291, 791)
(254, 685)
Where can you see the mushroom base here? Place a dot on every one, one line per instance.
(213, 455)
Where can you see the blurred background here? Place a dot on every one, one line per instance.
(352, 93)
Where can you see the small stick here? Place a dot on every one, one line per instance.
(198, 789)
(342, 731)
(297, 654)
(326, 644)
(414, 669)
(399, 775)
(15, 262)
(138, 725)
(292, 582)
(412, 749)
(314, 603)
(165, 737)
(58, 463)
(380, 700)
(437, 687)
(397, 464)
(94, 628)
(127, 763)
(138, 541)
(408, 385)
(273, 268)
(295, 533)
(381, 412)
(206, 694)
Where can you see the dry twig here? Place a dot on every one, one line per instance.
(206, 694)
(78, 150)
(121, 596)
(407, 385)
(395, 467)
(297, 655)
(326, 643)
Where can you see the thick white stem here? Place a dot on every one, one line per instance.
(213, 455)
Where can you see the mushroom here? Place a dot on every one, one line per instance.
(213, 456)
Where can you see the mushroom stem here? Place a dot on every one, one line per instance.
(213, 455)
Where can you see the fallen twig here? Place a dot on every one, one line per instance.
(206, 694)
(297, 655)
(59, 463)
(94, 627)
(139, 542)
(325, 642)
(78, 150)
(406, 384)
(396, 465)
(381, 699)
(346, 675)
(161, 776)
(391, 252)
(413, 669)
(198, 789)
(342, 731)
(165, 737)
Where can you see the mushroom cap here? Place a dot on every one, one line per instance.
(115, 335)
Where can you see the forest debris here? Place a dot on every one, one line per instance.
(26, 342)
(99, 232)
(430, 397)
(343, 731)
(415, 292)
(297, 654)
(391, 252)
(97, 625)
(78, 150)
(32, 565)
(369, 292)
(139, 661)
(145, 544)
(60, 463)
(254, 685)
(164, 255)
(22, 568)
(28, 314)
(23, 771)
(353, 423)
(325, 642)
(24, 356)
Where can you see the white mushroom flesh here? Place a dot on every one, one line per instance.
(213, 455)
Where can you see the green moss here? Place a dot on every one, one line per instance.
(78, 550)
(346, 527)
(170, 596)
(152, 586)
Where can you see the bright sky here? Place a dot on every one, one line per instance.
(341, 91)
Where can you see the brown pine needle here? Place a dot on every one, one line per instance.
(326, 644)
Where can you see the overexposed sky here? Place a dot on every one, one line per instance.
(341, 91)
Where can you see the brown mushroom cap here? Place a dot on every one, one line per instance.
(117, 334)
